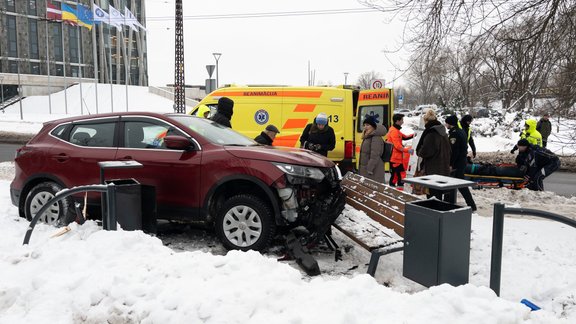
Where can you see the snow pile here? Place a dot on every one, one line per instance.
(94, 276)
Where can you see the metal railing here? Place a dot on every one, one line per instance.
(498, 231)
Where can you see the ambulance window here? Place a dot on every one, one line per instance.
(379, 112)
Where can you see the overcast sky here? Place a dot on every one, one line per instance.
(273, 50)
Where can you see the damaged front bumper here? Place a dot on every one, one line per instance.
(312, 198)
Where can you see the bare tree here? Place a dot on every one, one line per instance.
(365, 79)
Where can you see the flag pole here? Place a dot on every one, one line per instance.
(80, 69)
(48, 65)
(65, 80)
(95, 56)
(110, 61)
(125, 56)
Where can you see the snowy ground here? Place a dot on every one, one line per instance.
(92, 276)
(185, 276)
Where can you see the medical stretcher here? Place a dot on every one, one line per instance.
(495, 175)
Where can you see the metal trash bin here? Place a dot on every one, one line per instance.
(436, 242)
(127, 207)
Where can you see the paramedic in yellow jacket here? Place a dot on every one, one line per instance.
(530, 134)
(203, 111)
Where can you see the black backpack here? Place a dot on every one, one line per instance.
(387, 152)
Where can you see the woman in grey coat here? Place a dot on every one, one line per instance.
(371, 149)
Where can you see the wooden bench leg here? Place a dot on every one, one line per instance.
(375, 257)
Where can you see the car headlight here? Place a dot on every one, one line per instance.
(301, 171)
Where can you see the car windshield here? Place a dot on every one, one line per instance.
(213, 131)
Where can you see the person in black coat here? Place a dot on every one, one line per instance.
(268, 135)
(459, 148)
(537, 163)
(465, 123)
(318, 136)
(224, 112)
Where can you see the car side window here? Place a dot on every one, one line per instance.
(147, 135)
(93, 134)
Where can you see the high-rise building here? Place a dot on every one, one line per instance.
(48, 53)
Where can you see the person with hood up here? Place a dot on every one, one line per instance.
(318, 136)
(371, 165)
(459, 148)
(224, 112)
(465, 123)
(537, 163)
(268, 135)
(544, 126)
(203, 111)
(395, 136)
(530, 134)
(434, 150)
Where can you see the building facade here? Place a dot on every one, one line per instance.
(40, 49)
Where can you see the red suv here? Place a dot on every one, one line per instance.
(203, 172)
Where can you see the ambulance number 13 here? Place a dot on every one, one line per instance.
(333, 118)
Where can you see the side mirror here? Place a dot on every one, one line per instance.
(177, 142)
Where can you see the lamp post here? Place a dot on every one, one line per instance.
(217, 57)
(345, 78)
(2, 86)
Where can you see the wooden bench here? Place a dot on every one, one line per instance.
(382, 229)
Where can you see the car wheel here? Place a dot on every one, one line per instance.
(57, 214)
(244, 223)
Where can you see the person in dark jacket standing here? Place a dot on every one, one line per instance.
(459, 147)
(465, 123)
(434, 149)
(268, 135)
(371, 149)
(537, 163)
(224, 112)
(318, 136)
(544, 126)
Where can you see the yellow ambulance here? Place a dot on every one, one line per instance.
(292, 108)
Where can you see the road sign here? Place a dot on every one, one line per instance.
(210, 69)
(377, 83)
(400, 99)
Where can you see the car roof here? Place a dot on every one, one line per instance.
(113, 114)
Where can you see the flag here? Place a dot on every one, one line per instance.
(69, 15)
(99, 14)
(116, 18)
(131, 20)
(52, 12)
(85, 18)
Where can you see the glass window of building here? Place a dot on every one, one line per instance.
(10, 6)
(12, 36)
(73, 44)
(33, 38)
(13, 66)
(32, 8)
(34, 68)
(57, 39)
(59, 70)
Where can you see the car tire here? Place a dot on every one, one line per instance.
(244, 223)
(58, 214)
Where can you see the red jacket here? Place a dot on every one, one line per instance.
(396, 137)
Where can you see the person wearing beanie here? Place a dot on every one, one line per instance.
(318, 136)
(536, 162)
(459, 147)
(224, 112)
(465, 123)
(371, 149)
(530, 134)
(395, 136)
(267, 136)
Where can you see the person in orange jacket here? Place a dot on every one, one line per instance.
(395, 136)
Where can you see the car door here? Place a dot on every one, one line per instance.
(87, 142)
(174, 173)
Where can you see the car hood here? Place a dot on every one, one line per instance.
(280, 154)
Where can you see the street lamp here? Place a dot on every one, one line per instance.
(345, 78)
(2, 86)
(217, 57)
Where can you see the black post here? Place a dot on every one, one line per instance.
(111, 208)
(496, 258)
